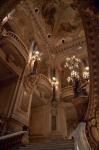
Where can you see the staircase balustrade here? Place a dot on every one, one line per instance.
(7, 141)
(52, 145)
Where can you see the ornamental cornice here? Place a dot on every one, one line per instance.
(40, 29)
(38, 24)
(81, 42)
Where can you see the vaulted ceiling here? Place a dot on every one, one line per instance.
(56, 27)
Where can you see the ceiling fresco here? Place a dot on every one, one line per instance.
(61, 19)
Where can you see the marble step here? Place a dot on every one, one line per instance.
(55, 145)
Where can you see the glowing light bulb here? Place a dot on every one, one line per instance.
(87, 68)
(37, 52)
(53, 78)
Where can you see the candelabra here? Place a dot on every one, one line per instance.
(36, 56)
(54, 85)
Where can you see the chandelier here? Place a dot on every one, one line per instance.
(36, 55)
(86, 73)
(73, 64)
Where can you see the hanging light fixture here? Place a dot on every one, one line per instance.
(69, 79)
(73, 64)
(36, 55)
(35, 58)
(86, 73)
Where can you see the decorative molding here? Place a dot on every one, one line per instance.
(33, 80)
(70, 45)
(91, 26)
(16, 40)
(38, 24)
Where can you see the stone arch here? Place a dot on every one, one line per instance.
(90, 19)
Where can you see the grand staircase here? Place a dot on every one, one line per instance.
(52, 145)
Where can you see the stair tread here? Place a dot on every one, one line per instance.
(53, 145)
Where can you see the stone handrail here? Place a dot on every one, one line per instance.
(7, 141)
(18, 39)
(68, 45)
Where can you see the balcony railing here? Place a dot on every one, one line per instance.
(8, 141)
(67, 92)
(16, 40)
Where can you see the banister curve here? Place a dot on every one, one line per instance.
(18, 39)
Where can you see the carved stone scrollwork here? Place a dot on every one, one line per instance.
(91, 26)
(13, 50)
(68, 45)
(29, 82)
